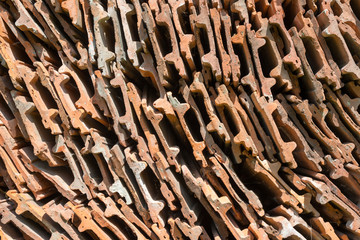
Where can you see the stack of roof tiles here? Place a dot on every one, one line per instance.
(180, 119)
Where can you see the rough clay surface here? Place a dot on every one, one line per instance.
(180, 119)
